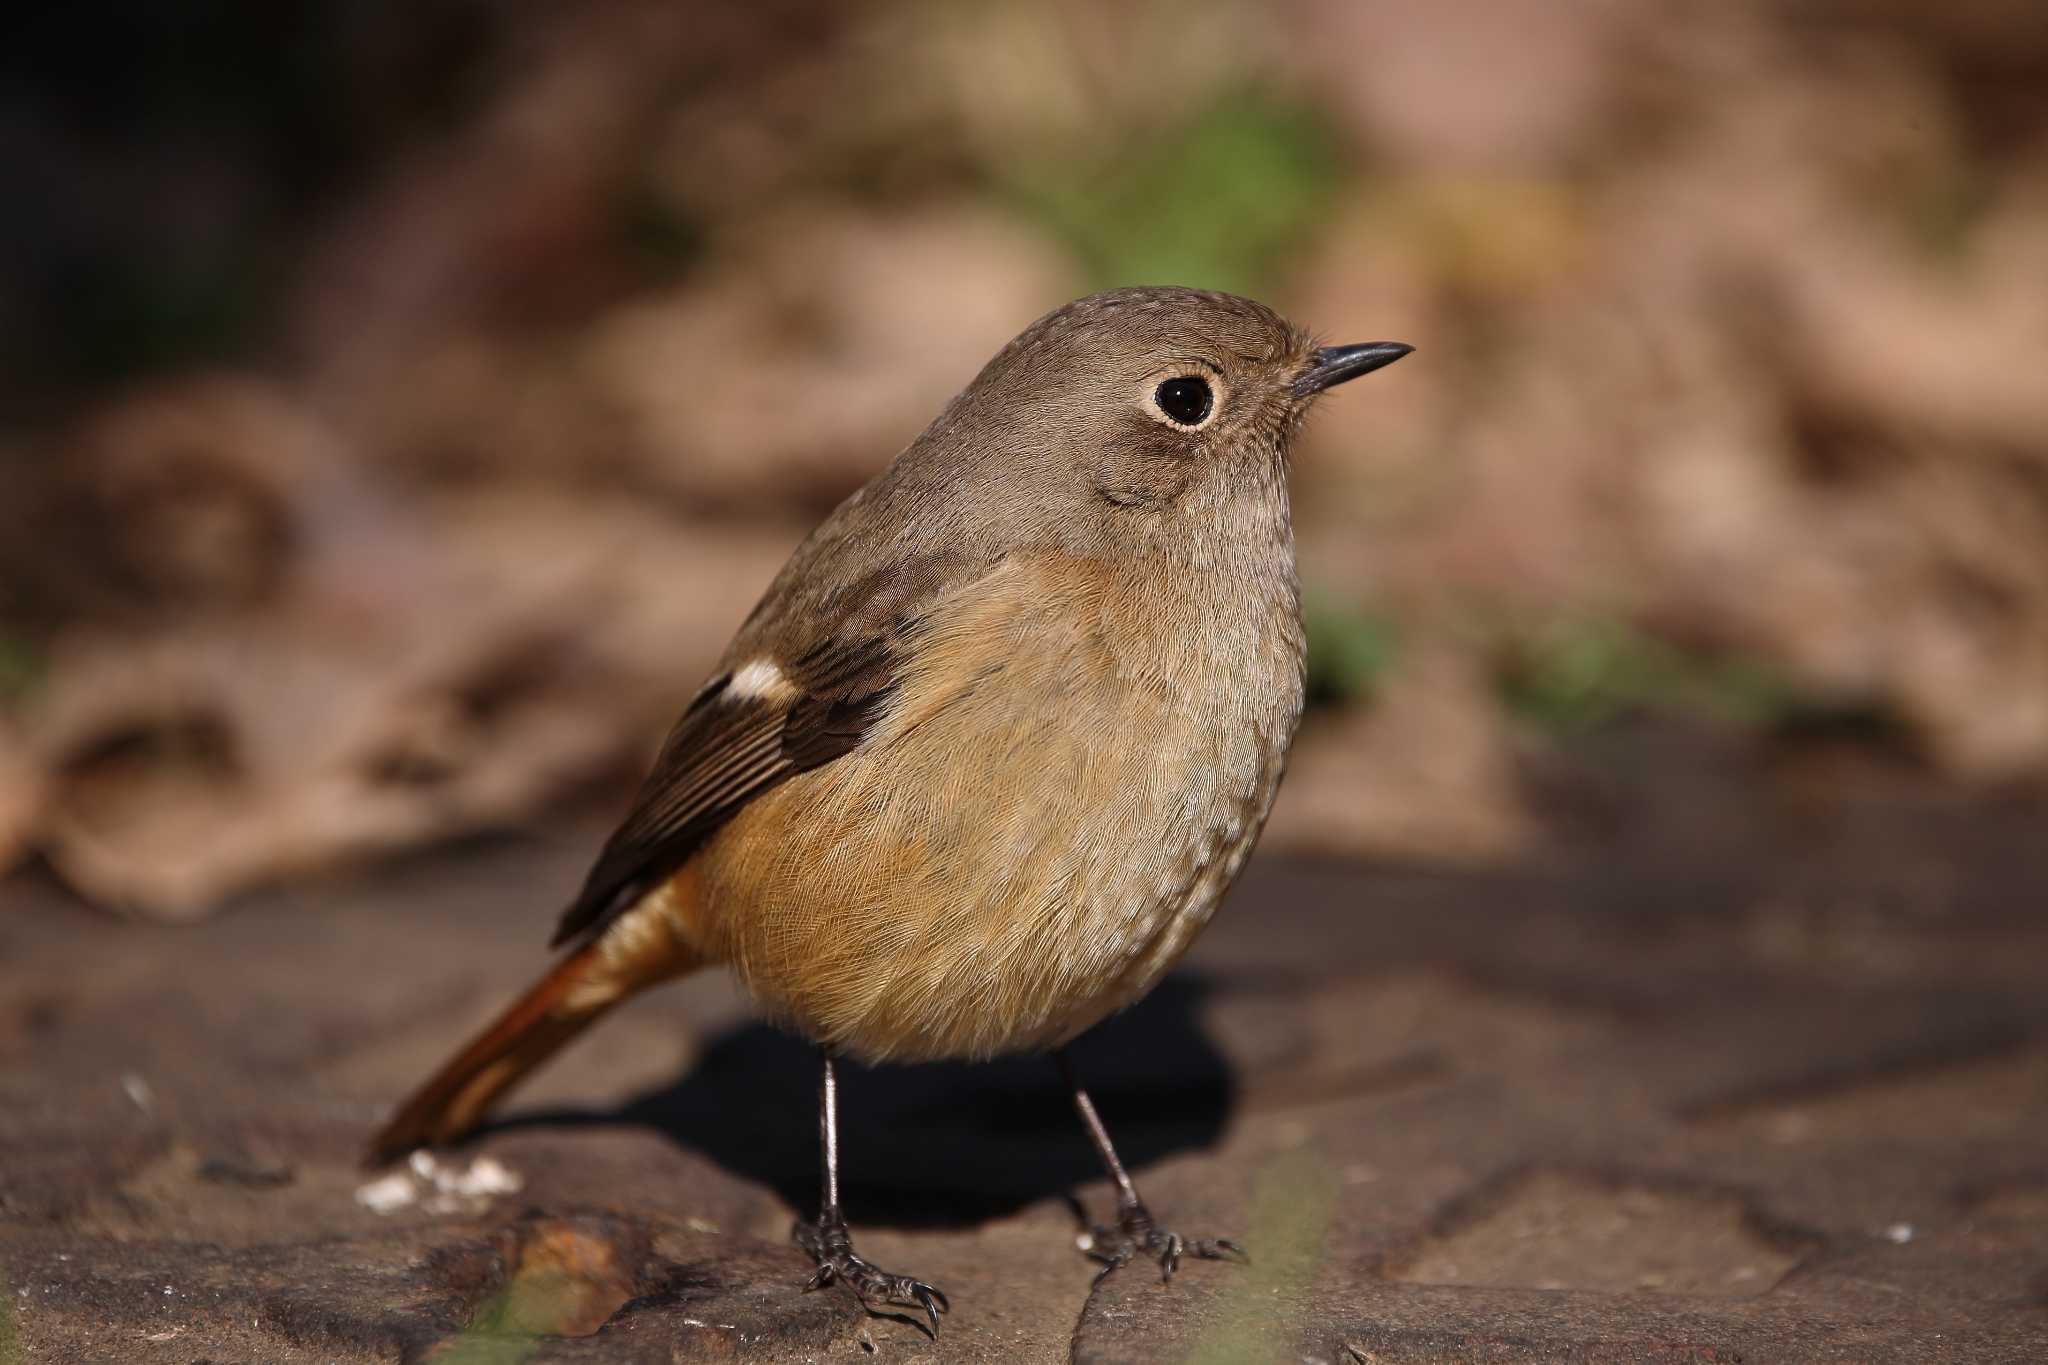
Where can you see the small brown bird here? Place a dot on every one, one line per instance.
(977, 769)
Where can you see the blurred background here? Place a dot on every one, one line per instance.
(400, 405)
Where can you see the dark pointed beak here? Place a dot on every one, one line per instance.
(1330, 366)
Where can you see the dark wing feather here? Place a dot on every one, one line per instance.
(725, 751)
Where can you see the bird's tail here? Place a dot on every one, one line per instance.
(581, 989)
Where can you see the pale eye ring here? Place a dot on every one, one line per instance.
(1185, 399)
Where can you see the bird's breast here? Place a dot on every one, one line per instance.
(1078, 760)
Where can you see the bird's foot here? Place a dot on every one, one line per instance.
(1135, 1232)
(831, 1246)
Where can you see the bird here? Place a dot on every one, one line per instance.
(982, 761)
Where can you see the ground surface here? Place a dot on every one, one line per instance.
(1759, 1075)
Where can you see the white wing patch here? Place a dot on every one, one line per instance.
(761, 678)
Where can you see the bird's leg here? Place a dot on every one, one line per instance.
(1134, 1231)
(831, 1245)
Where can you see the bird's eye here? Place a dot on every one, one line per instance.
(1186, 399)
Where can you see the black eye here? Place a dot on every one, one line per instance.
(1186, 400)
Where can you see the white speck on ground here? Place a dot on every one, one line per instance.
(138, 1092)
(388, 1194)
(447, 1187)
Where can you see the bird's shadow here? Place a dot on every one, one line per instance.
(943, 1144)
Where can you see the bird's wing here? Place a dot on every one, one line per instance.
(747, 730)
(807, 677)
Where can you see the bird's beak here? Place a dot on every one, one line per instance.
(1330, 366)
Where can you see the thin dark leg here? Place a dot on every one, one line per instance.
(1126, 1192)
(831, 1244)
(828, 1132)
(1134, 1231)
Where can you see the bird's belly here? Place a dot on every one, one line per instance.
(1051, 876)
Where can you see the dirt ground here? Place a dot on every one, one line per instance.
(1757, 1073)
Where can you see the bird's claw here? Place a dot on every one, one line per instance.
(1136, 1232)
(831, 1246)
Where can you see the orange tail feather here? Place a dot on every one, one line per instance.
(581, 990)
